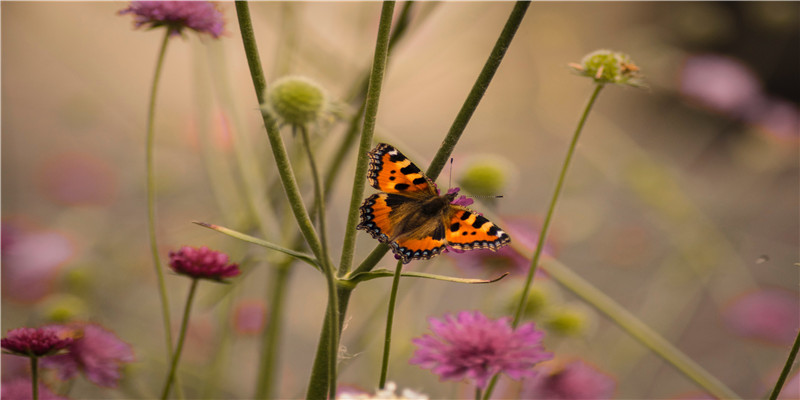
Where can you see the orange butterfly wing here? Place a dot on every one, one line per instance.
(390, 171)
(469, 230)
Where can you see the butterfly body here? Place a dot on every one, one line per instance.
(412, 218)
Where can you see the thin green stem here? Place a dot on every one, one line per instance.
(272, 330)
(370, 113)
(319, 193)
(786, 368)
(35, 377)
(462, 119)
(181, 339)
(477, 393)
(151, 194)
(387, 341)
(319, 384)
(250, 48)
(550, 211)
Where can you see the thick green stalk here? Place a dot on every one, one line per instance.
(550, 211)
(463, 117)
(151, 194)
(387, 341)
(35, 377)
(370, 113)
(786, 368)
(181, 339)
(319, 384)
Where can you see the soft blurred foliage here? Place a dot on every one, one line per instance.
(678, 202)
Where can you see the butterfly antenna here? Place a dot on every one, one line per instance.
(450, 179)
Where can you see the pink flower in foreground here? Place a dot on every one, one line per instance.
(35, 342)
(202, 263)
(21, 389)
(771, 315)
(575, 381)
(470, 345)
(200, 16)
(98, 353)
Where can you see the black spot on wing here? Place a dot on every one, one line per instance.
(438, 234)
(454, 227)
(465, 215)
(401, 186)
(393, 200)
(479, 221)
(410, 169)
(397, 157)
(419, 181)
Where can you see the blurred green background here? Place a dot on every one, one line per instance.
(682, 198)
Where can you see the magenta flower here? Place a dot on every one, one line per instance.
(200, 16)
(21, 388)
(35, 342)
(97, 352)
(248, 317)
(470, 345)
(202, 263)
(575, 381)
(771, 315)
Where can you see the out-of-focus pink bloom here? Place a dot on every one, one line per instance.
(575, 381)
(98, 353)
(31, 261)
(791, 388)
(200, 16)
(202, 263)
(470, 345)
(248, 318)
(720, 83)
(78, 179)
(507, 259)
(770, 315)
(779, 118)
(22, 389)
(35, 342)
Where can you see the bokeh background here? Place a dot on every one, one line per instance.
(681, 203)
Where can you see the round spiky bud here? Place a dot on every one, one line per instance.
(606, 66)
(487, 175)
(295, 100)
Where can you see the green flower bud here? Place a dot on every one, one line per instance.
(63, 308)
(567, 321)
(295, 100)
(606, 66)
(487, 175)
(78, 279)
(540, 297)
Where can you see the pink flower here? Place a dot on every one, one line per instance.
(720, 83)
(35, 342)
(98, 353)
(202, 263)
(771, 315)
(200, 16)
(470, 345)
(577, 380)
(20, 389)
(248, 318)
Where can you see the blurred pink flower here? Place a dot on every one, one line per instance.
(576, 380)
(97, 352)
(35, 342)
(779, 118)
(200, 16)
(470, 345)
(507, 259)
(791, 388)
(720, 83)
(248, 317)
(78, 179)
(31, 261)
(21, 389)
(769, 314)
(202, 263)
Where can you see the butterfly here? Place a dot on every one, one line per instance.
(412, 218)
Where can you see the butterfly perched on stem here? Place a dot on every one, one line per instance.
(412, 218)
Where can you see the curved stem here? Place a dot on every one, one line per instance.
(181, 339)
(35, 377)
(786, 368)
(151, 194)
(387, 341)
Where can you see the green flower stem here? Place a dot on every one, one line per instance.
(477, 393)
(181, 339)
(282, 163)
(370, 112)
(269, 338)
(461, 121)
(319, 384)
(35, 377)
(307, 258)
(550, 211)
(151, 194)
(786, 368)
(387, 341)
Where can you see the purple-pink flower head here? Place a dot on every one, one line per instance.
(200, 16)
(202, 263)
(770, 315)
(35, 342)
(98, 353)
(574, 381)
(470, 345)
